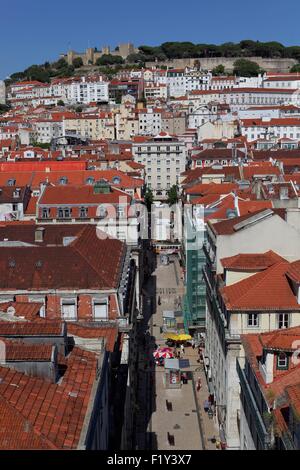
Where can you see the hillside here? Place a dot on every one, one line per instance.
(269, 55)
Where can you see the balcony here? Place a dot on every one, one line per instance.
(257, 420)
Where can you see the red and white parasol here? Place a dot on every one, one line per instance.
(165, 353)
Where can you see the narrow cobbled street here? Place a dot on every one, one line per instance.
(170, 418)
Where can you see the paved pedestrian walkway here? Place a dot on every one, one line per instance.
(187, 422)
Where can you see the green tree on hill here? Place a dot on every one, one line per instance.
(246, 68)
(108, 59)
(218, 70)
(77, 62)
(295, 68)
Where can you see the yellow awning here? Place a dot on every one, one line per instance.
(175, 337)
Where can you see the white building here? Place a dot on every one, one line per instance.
(241, 98)
(85, 91)
(153, 91)
(270, 127)
(46, 130)
(282, 81)
(182, 81)
(164, 158)
(257, 233)
(149, 121)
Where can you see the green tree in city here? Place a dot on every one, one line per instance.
(218, 70)
(246, 68)
(149, 198)
(42, 145)
(172, 195)
(60, 103)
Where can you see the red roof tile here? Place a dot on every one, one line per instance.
(251, 261)
(268, 290)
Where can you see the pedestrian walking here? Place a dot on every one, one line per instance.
(193, 343)
(199, 385)
(178, 355)
(182, 348)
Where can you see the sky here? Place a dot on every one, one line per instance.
(35, 31)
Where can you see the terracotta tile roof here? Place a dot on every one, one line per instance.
(7, 195)
(275, 154)
(55, 411)
(109, 333)
(211, 188)
(18, 351)
(293, 393)
(41, 166)
(46, 328)
(17, 433)
(283, 339)
(73, 266)
(251, 207)
(206, 200)
(268, 290)
(31, 208)
(84, 194)
(251, 261)
(243, 206)
(252, 171)
(28, 310)
(294, 271)
(213, 154)
(197, 173)
(275, 340)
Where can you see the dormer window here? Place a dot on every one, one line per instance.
(64, 213)
(116, 180)
(45, 213)
(63, 180)
(11, 182)
(83, 213)
(90, 180)
(17, 193)
(282, 361)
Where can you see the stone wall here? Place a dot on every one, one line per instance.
(270, 65)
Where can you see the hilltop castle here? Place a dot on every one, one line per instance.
(91, 54)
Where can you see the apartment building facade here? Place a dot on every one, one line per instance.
(164, 157)
(255, 233)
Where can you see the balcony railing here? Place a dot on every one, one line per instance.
(260, 428)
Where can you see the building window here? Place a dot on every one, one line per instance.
(282, 361)
(90, 180)
(68, 309)
(100, 310)
(64, 213)
(45, 213)
(120, 211)
(83, 212)
(63, 180)
(253, 320)
(283, 320)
